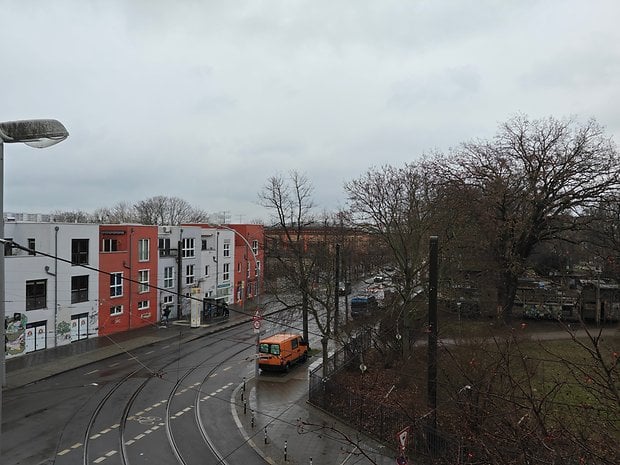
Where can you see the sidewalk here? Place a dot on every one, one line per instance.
(285, 430)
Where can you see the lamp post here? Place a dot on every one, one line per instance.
(39, 133)
(258, 287)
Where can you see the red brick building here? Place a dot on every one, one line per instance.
(127, 285)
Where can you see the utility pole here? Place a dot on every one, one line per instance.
(432, 330)
(179, 276)
(337, 291)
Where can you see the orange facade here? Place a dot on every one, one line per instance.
(128, 260)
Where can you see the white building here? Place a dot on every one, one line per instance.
(50, 299)
(204, 264)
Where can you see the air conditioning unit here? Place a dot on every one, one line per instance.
(167, 229)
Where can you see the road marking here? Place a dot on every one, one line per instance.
(157, 404)
(111, 453)
(99, 460)
(139, 413)
(107, 430)
(95, 436)
(213, 394)
(187, 408)
(165, 347)
(114, 364)
(115, 426)
(206, 397)
(155, 428)
(91, 372)
(148, 409)
(213, 375)
(227, 368)
(178, 414)
(149, 352)
(76, 445)
(139, 436)
(63, 452)
(130, 442)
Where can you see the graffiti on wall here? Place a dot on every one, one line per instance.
(15, 334)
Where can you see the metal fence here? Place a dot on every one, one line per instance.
(372, 418)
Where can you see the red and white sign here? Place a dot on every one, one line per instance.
(256, 320)
(403, 438)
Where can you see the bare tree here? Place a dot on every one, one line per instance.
(163, 210)
(305, 261)
(76, 216)
(397, 207)
(528, 185)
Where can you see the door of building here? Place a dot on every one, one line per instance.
(79, 327)
(36, 336)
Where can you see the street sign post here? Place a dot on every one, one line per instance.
(403, 438)
(256, 321)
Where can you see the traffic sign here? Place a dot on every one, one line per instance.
(403, 437)
(256, 324)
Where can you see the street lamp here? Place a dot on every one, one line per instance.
(258, 290)
(37, 133)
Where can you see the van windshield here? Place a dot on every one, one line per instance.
(273, 349)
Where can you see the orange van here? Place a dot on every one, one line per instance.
(280, 351)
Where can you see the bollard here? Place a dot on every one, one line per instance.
(245, 407)
(244, 384)
(265, 435)
(285, 447)
(242, 399)
(252, 422)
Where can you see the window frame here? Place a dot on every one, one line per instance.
(37, 300)
(143, 250)
(79, 256)
(188, 247)
(79, 290)
(143, 281)
(189, 276)
(116, 313)
(116, 284)
(168, 279)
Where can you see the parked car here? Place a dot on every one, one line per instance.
(362, 306)
(281, 351)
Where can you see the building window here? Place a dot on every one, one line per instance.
(226, 272)
(79, 289)
(187, 250)
(164, 246)
(204, 244)
(143, 305)
(168, 277)
(79, 251)
(189, 274)
(143, 279)
(167, 300)
(116, 284)
(257, 269)
(206, 270)
(238, 267)
(116, 310)
(36, 294)
(255, 247)
(143, 250)
(247, 274)
(31, 246)
(226, 252)
(110, 245)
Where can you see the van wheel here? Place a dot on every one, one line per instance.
(304, 357)
(287, 367)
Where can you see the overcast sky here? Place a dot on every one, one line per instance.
(204, 100)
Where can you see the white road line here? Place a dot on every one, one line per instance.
(91, 372)
(115, 426)
(139, 413)
(206, 397)
(95, 436)
(165, 347)
(178, 414)
(99, 460)
(164, 401)
(196, 384)
(107, 430)
(213, 394)
(155, 428)
(63, 452)
(76, 445)
(157, 404)
(148, 409)
(130, 442)
(186, 409)
(227, 368)
(149, 352)
(111, 453)
(219, 390)
(139, 436)
(114, 364)
(213, 375)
